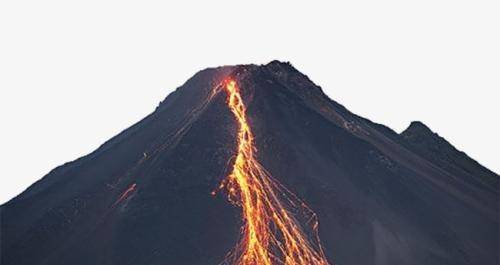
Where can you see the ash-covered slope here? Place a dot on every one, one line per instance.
(144, 196)
(419, 138)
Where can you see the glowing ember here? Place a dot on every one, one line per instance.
(272, 232)
(126, 193)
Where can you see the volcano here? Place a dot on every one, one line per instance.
(254, 164)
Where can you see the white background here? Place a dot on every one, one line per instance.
(75, 73)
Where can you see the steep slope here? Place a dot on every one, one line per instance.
(144, 197)
(78, 213)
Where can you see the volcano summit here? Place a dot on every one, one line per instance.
(255, 165)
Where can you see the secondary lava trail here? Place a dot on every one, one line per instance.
(278, 227)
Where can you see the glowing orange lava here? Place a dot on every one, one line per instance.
(278, 227)
(126, 193)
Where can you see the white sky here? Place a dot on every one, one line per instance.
(75, 73)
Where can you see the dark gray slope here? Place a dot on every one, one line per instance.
(381, 197)
(419, 138)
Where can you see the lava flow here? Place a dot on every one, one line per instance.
(278, 228)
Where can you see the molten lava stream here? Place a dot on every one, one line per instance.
(278, 227)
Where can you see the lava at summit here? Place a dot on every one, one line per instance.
(271, 234)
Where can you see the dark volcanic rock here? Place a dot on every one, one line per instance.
(419, 138)
(144, 196)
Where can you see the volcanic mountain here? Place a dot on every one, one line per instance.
(183, 185)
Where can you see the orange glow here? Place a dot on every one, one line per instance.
(272, 232)
(126, 193)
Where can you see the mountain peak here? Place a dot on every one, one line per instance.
(280, 63)
(281, 66)
(422, 140)
(146, 196)
(417, 127)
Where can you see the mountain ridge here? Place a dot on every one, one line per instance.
(421, 139)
